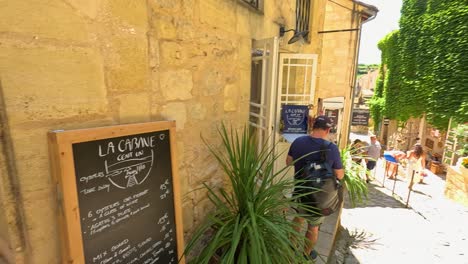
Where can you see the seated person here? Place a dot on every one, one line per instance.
(393, 158)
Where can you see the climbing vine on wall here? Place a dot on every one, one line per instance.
(425, 64)
(376, 103)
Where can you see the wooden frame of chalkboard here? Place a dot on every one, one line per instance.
(117, 202)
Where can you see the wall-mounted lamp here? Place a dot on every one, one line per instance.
(297, 35)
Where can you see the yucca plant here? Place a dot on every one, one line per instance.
(354, 182)
(251, 221)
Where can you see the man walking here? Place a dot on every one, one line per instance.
(373, 151)
(303, 146)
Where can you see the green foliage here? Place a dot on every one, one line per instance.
(377, 102)
(426, 64)
(251, 222)
(354, 183)
(376, 107)
(461, 133)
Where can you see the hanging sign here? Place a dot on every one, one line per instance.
(294, 119)
(360, 117)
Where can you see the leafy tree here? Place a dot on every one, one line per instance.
(425, 63)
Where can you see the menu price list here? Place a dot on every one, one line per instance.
(126, 199)
(147, 252)
(99, 220)
(121, 217)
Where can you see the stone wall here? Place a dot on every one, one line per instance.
(339, 53)
(456, 186)
(403, 136)
(69, 64)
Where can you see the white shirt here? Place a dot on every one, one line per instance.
(374, 150)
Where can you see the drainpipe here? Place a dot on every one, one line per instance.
(374, 12)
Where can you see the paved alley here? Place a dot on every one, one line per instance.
(432, 229)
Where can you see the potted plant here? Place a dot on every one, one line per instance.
(464, 162)
(251, 220)
(461, 133)
(354, 181)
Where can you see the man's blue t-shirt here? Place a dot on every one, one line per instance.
(306, 144)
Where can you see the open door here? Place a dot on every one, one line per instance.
(278, 79)
(263, 88)
(296, 86)
(296, 81)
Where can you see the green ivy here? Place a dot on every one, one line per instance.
(376, 103)
(425, 64)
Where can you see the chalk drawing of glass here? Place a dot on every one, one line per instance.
(128, 173)
(296, 119)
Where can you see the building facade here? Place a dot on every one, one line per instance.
(362, 94)
(72, 64)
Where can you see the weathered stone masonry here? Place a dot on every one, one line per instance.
(69, 64)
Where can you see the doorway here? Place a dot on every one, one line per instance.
(278, 79)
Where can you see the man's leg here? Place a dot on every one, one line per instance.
(370, 166)
(395, 170)
(298, 222)
(387, 168)
(312, 236)
(392, 169)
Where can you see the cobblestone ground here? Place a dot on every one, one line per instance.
(432, 229)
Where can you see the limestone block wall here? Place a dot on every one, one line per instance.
(339, 51)
(432, 140)
(404, 137)
(69, 64)
(456, 185)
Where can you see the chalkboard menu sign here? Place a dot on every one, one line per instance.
(121, 187)
(333, 115)
(360, 117)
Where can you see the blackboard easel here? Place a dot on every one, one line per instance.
(118, 194)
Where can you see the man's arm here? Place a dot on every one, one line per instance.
(339, 173)
(335, 157)
(289, 160)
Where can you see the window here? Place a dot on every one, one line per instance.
(252, 3)
(303, 9)
(255, 4)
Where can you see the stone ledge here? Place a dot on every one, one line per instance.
(456, 187)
